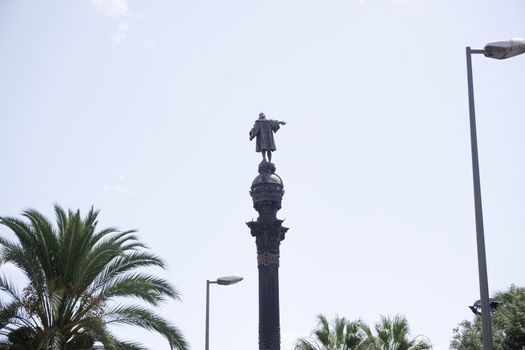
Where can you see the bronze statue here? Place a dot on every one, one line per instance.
(263, 129)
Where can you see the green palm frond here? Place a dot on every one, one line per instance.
(149, 288)
(125, 263)
(142, 317)
(8, 312)
(305, 344)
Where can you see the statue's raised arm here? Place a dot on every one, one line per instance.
(263, 130)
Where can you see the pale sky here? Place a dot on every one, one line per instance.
(142, 109)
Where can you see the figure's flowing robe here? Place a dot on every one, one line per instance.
(263, 129)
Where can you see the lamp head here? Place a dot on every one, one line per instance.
(505, 49)
(227, 280)
(476, 307)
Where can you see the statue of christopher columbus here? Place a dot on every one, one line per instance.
(263, 130)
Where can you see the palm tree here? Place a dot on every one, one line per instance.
(341, 335)
(74, 275)
(394, 334)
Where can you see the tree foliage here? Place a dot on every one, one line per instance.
(390, 333)
(75, 274)
(508, 325)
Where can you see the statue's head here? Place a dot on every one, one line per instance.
(261, 115)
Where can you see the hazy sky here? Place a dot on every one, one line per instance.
(142, 109)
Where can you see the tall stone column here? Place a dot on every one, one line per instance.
(267, 191)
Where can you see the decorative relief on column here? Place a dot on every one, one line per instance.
(271, 343)
(268, 236)
(267, 259)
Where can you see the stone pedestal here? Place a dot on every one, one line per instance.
(267, 191)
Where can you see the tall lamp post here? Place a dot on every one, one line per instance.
(222, 281)
(498, 50)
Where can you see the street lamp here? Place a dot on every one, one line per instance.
(498, 50)
(476, 307)
(222, 281)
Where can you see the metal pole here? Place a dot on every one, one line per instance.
(207, 339)
(482, 260)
